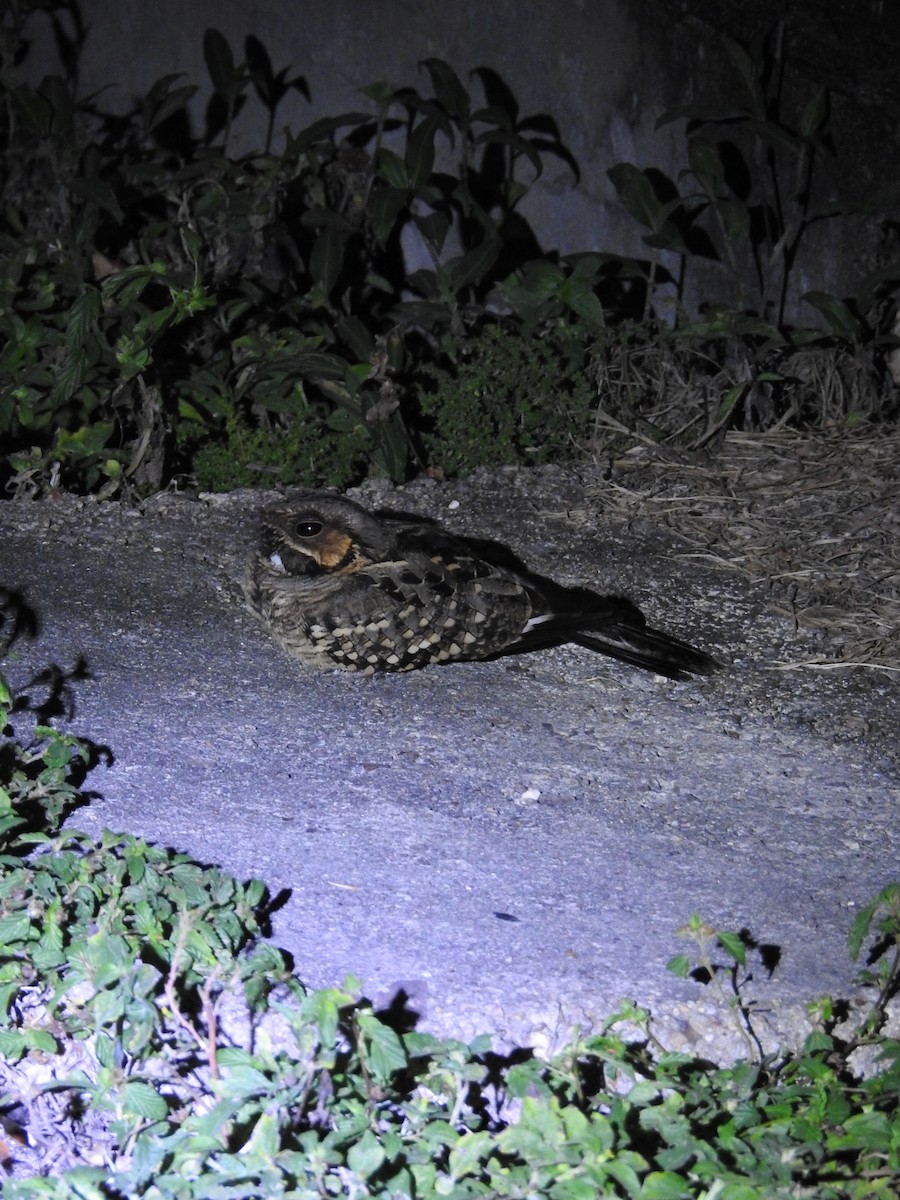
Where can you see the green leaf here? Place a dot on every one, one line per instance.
(385, 205)
(679, 966)
(664, 1185)
(578, 294)
(468, 1156)
(841, 319)
(392, 169)
(264, 1140)
(12, 1044)
(356, 338)
(81, 316)
(420, 153)
(327, 258)
(16, 929)
(379, 92)
(366, 1156)
(746, 68)
(434, 229)
(518, 145)
(321, 130)
(815, 114)
(393, 449)
(859, 930)
(142, 1100)
(462, 272)
(871, 1130)
(384, 1050)
(731, 398)
(733, 944)
(448, 89)
(161, 102)
(637, 195)
(706, 165)
(317, 365)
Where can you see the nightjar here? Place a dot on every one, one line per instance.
(340, 587)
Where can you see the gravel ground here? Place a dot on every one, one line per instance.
(512, 844)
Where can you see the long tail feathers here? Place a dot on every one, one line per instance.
(648, 648)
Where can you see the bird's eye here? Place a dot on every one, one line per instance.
(308, 528)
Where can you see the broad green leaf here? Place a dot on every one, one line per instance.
(380, 92)
(82, 315)
(142, 1100)
(356, 338)
(264, 1141)
(746, 69)
(316, 365)
(679, 966)
(384, 1050)
(161, 102)
(366, 1155)
(392, 169)
(322, 130)
(578, 294)
(420, 153)
(434, 229)
(872, 1130)
(385, 205)
(327, 258)
(448, 89)
(16, 929)
(706, 165)
(471, 268)
(732, 944)
(839, 316)
(637, 195)
(664, 1185)
(393, 449)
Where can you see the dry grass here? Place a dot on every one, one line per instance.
(816, 517)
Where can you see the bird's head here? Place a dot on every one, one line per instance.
(321, 532)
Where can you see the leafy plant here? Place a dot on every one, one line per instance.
(752, 202)
(506, 400)
(749, 202)
(175, 309)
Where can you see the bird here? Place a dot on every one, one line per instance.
(340, 587)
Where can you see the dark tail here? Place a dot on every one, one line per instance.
(615, 626)
(642, 646)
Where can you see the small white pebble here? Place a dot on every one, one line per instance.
(453, 504)
(530, 795)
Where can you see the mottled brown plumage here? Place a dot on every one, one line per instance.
(339, 587)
